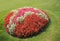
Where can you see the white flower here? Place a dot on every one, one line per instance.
(41, 15)
(46, 18)
(15, 11)
(20, 19)
(8, 26)
(28, 13)
(11, 32)
(11, 28)
(36, 9)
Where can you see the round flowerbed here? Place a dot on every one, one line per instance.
(26, 21)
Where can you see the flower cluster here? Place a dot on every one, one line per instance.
(25, 22)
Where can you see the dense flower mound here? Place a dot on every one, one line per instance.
(26, 21)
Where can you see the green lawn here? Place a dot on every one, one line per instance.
(52, 7)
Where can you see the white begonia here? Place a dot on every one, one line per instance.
(10, 22)
(28, 13)
(11, 31)
(11, 18)
(20, 19)
(46, 17)
(8, 26)
(36, 9)
(41, 15)
(15, 11)
(11, 28)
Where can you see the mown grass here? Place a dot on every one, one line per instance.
(52, 7)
